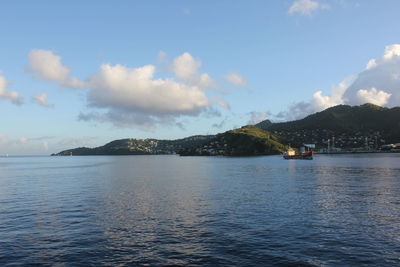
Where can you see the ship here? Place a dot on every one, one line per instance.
(291, 154)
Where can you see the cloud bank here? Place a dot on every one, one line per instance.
(317, 103)
(135, 89)
(13, 96)
(134, 97)
(373, 96)
(378, 84)
(381, 79)
(23, 145)
(41, 145)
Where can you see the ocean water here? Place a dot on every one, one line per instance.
(209, 211)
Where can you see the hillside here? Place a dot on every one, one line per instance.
(139, 146)
(248, 140)
(348, 126)
(341, 127)
(245, 141)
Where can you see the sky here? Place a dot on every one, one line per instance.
(84, 73)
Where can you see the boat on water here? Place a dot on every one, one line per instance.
(291, 154)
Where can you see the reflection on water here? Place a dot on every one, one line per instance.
(170, 210)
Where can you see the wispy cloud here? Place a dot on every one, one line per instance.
(257, 116)
(306, 7)
(221, 124)
(13, 96)
(236, 79)
(47, 65)
(41, 99)
(22, 145)
(162, 57)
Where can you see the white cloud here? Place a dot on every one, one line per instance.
(371, 64)
(13, 96)
(391, 51)
(186, 68)
(134, 97)
(257, 116)
(321, 102)
(373, 96)
(135, 89)
(41, 99)
(317, 103)
(46, 65)
(382, 74)
(235, 79)
(378, 84)
(306, 7)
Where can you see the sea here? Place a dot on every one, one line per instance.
(335, 210)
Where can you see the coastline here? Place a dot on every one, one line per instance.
(356, 152)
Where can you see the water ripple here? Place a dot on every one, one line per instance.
(168, 210)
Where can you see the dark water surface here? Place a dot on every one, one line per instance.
(171, 210)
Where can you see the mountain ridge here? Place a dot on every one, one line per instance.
(341, 126)
(367, 121)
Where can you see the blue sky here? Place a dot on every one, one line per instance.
(83, 73)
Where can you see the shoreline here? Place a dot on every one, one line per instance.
(355, 152)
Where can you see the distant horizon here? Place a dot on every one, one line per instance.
(39, 155)
(44, 155)
(83, 73)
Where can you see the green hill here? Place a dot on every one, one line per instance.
(245, 141)
(351, 126)
(139, 146)
(248, 140)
